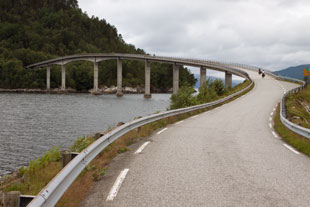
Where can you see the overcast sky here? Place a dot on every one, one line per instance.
(274, 34)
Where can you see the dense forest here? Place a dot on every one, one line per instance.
(38, 30)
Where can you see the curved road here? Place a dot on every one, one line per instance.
(224, 157)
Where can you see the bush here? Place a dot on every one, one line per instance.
(206, 93)
(82, 143)
(218, 87)
(52, 155)
(183, 98)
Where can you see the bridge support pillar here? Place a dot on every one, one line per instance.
(203, 74)
(228, 80)
(95, 77)
(175, 78)
(48, 78)
(63, 77)
(119, 92)
(147, 92)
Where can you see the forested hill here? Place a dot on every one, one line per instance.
(293, 72)
(37, 30)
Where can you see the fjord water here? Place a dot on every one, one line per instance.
(31, 124)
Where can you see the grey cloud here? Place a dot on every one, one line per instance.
(267, 33)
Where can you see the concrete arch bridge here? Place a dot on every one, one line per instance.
(176, 62)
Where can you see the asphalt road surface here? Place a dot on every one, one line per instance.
(229, 156)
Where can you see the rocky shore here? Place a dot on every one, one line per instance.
(103, 90)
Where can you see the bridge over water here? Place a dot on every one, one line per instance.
(176, 62)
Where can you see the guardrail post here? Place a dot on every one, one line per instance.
(119, 92)
(48, 77)
(63, 77)
(175, 78)
(11, 199)
(203, 74)
(66, 157)
(147, 92)
(24, 200)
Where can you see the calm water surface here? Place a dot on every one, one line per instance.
(31, 124)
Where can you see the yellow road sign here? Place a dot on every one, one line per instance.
(306, 71)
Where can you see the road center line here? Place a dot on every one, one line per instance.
(142, 147)
(274, 134)
(194, 116)
(161, 131)
(179, 122)
(291, 148)
(114, 190)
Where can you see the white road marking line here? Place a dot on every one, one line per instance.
(194, 116)
(271, 114)
(274, 109)
(161, 131)
(142, 147)
(179, 122)
(291, 148)
(270, 118)
(270, 125)
(114, 190)
(274, 134)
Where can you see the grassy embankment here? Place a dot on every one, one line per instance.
(30, 180)
(295, 109)
(298, 107)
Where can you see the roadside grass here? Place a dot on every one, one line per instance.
(31, 182)
(299, 142)
(31, 179)
(298, 107)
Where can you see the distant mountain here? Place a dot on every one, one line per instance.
(212, 78)
(293, 72)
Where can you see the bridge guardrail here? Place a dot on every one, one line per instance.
(50, 195)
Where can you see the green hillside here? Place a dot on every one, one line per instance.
(293, 72)
(37, 30)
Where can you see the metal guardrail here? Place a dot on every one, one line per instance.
(283, 113)
(50, 195)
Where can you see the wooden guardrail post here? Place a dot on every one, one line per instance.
(11, 199)
(66, 157)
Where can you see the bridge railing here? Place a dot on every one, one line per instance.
(50, 195)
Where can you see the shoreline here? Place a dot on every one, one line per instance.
(105, 90)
